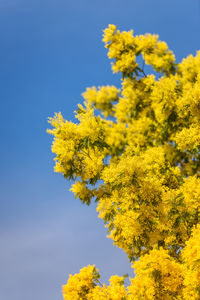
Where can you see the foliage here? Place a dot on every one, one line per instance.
(135, 151)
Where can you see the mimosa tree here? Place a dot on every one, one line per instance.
(135, 151)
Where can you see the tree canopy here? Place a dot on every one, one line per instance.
(135, 150)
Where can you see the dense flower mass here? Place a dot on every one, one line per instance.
(135, 151)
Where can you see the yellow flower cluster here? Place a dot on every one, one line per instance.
(84, 286)
(135, 150)
(121, 48)
(124, 47)
(158, 276)
(79, 285)
(191, 256)
(155, 53)
(102, 98)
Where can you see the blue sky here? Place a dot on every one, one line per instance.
(50, 52)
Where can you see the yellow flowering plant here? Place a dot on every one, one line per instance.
(135, 151)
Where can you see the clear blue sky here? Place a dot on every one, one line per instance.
(50, 52)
